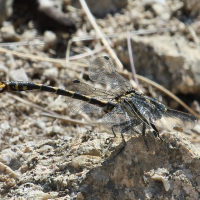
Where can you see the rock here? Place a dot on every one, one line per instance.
(5, 126)
(168, 61)
(50, 39)
(197, 128)
(138, 174)
(3, 68)
(159, 8)
(18, 75)
(5, 10)
(84, 161)
(151, 2)
(170, 169)
(51, 73)
(102, 8)
(162, 11)
(191, 7)
(50, 18)
(29, 34)
(45, 15)
(8, 34)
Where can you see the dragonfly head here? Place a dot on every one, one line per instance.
(130, 91)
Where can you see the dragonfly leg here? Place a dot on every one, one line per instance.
(113, 131)
(122, 131)
(155, 132)
(113, 134)
(107, 139)
(135, 130)
(125, 130)
(128, 125)
(143, 135)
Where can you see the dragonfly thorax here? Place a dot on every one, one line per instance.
(128, 95)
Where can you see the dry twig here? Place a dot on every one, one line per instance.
(68, 119)
(131, 60)
(48, 112)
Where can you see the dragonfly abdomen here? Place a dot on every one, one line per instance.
(23, 86)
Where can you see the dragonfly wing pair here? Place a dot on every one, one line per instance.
(129, 112)
(103, 71)
(161, 116)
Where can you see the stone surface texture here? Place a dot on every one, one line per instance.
(73, 169)
(167, 60)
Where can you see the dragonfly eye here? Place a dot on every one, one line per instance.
(106, 57)
(130, 91)
(76, 81)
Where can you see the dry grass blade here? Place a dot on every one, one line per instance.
(22, 43)
(130, 52)
(30, 56)
(30, 103)
(83, 55)
(68, 119)
(121, 34)
(68, 52)
(50, 113)
(193, 34)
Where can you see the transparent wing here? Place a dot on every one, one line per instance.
(172, 118)
(119, 120)
(77, 106)
(85, 89)
(103, 71)
(158, 114)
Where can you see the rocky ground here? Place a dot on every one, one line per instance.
(49, 153)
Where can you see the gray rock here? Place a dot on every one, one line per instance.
(44, 15)
(29, 34)
(101, 8)
(169, 169)
(191, 7)
(151, 2)
(51, 18)
(161, 10)
(169, 61)
(8, 34)
(3, 68)
(18, 75)
(164, 172)
(50, 39)
(5, 10)
(51, 73)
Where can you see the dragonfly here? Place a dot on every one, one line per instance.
(126, 110)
